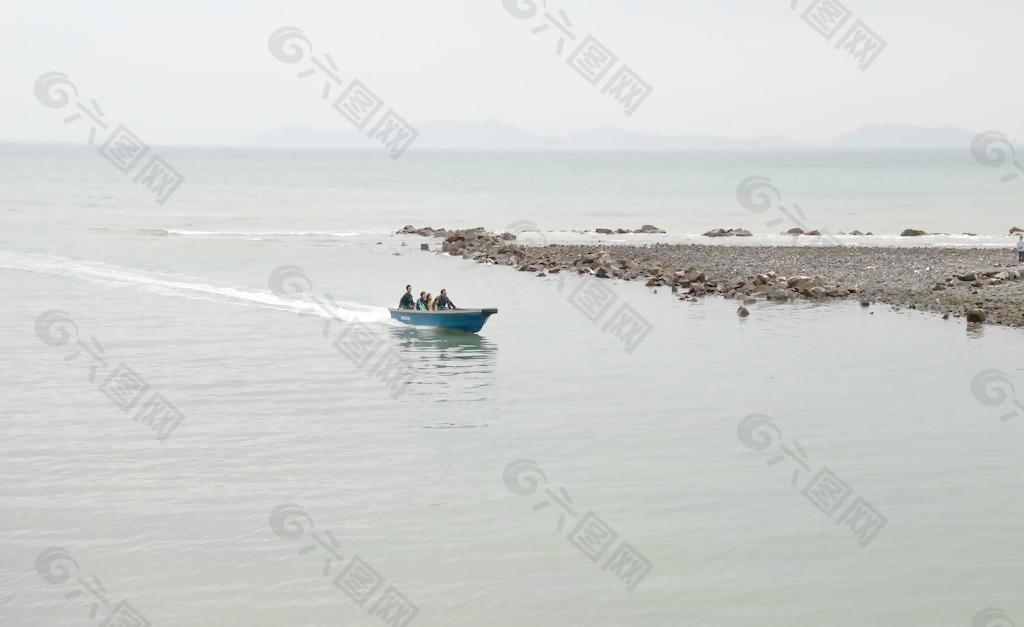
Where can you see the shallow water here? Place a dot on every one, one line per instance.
(417, 484)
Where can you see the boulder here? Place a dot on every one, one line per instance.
(647, 228)
(622, 231)
(601, 273)
(976, 316)
(777, 295)
(688, 277)
(1014, 230)
(797, 281)
(814, 232)
(720, 232)
(912, 233)
(424, 246)
(604, 231)
(716, 233)
(742, 312)
(865, 302)
(794, 231)
(855, 232)
(969, 277)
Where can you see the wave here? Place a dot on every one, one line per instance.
(186, 287)
(189, 233)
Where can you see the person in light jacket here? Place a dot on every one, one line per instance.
(1020, 249)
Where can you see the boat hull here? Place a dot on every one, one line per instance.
(469, 320)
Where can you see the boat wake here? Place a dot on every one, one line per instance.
(250, 235)
(186, 287)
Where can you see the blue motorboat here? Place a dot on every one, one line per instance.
(469, 320)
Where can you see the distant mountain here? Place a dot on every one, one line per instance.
(902, 137)
(494, 135)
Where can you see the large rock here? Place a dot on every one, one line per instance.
(1015, 230)
(976, 316)
(794, 231)
(647, 228)
(814, 232)
(716, 233)
(742, 312)
(912, 233)
(425, 231)
(720, 232)
(604, 231)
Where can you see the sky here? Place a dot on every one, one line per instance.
(201, 73)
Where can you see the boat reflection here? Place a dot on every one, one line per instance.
(448, 366)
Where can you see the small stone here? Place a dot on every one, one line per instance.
(865, 302)
(912, 233)
(976, 316)
(424, 246)
(814, 232)
(604, 231)
(742, 312)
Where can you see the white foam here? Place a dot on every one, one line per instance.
(259, 234)
(170, 285)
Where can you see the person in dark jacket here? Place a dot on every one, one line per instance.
(407, 301)
(443, 302)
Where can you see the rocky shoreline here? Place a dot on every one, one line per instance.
(981, 285)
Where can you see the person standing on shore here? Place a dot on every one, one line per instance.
(1020, 249)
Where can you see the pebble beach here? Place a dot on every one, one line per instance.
(983, 285)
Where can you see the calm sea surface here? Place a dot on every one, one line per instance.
(199, 414)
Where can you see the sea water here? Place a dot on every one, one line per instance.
(811, 464)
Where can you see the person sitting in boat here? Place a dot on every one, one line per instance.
(407, 301)
(421, 304)
(443, 302)
(430, 301)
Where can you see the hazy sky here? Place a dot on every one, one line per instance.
(199, 71)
